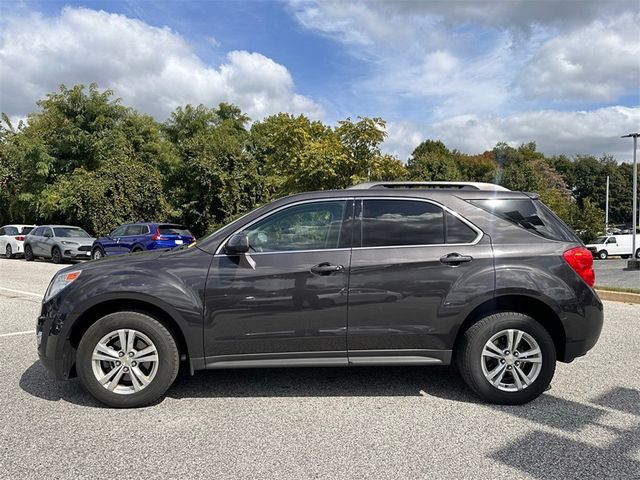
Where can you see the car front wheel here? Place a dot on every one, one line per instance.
(127, 359)
(9, 252)
(507, 358)
(602, 254)
(56, 255)
(97, 253)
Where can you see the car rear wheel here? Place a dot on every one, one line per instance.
(507, 358)
(127, 359)
(56, 255)
(603, 254)
(97, 253)
(9, 252)
(137, 249)
(28, 253)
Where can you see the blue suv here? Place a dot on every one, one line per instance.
(136, 237)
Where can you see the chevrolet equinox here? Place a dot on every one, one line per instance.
(378, 274)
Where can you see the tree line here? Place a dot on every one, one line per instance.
(85, 159)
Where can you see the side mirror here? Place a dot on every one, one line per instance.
(237, 244)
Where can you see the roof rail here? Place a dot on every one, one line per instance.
(431, 185)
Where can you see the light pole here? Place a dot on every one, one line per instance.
(634, 263)
(606, 210)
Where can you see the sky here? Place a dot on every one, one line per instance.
(562, 73)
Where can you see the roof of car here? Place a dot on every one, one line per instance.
(60, 226)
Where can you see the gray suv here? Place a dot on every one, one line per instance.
(382, 274)
(58, 242)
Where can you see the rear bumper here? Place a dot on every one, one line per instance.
(583, 331)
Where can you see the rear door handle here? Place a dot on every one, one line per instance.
(455, 259)
(326, 268)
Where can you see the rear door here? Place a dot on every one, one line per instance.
(130, 238)
(286, 299)
(414, 264)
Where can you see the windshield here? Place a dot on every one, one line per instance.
(600, 240)
(70, 232)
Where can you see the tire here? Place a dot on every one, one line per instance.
(638, 254)
(97, 253)
(137, 249)
(472, 364)
(162, 374)
(28, 253)
(56, 255)
(603, 254)
(9, 252)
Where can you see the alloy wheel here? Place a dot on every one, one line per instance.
(511, 360)
(125, 361)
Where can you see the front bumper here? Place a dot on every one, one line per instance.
(55, 353)
(76, 252)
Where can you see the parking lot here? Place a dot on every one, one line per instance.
(316, 423)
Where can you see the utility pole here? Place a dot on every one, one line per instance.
(606, 210)
(634, 263)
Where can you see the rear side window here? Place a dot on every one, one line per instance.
(401, 223)
(529, 214)
(133, 230)
(174, 230)
(26, 230)
(10, 231)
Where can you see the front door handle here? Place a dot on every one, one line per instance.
(326, 268)
(455, 259)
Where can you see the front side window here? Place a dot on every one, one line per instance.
(119, 232)
(401, 223)
(309, 226)
(612, 240)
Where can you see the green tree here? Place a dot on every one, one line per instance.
(433, 161)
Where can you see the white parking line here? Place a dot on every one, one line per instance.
(39, 295)
(17, 333)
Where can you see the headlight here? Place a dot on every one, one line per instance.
(69, 243)
(59, 282)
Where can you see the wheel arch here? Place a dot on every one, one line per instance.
(526, 305)
(96, 312)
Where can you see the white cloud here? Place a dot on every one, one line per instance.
(152, 69)
(596, 131)
(600, 61)
(402, 139)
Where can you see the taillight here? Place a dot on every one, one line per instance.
(581, 260)
(157, 236)
(20, 238)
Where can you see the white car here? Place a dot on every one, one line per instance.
(12, 239)
(607, 245)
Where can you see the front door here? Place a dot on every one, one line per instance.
(286, 300)
(111, 244)
(413, 268)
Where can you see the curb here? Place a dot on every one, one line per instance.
(626, 297)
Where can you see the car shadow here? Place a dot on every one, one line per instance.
(277, 382)
(544, 454)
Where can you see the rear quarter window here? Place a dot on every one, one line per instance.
(26, 230)
(529, 214)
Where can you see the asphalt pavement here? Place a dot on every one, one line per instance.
(613, 272)
(396, 423)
